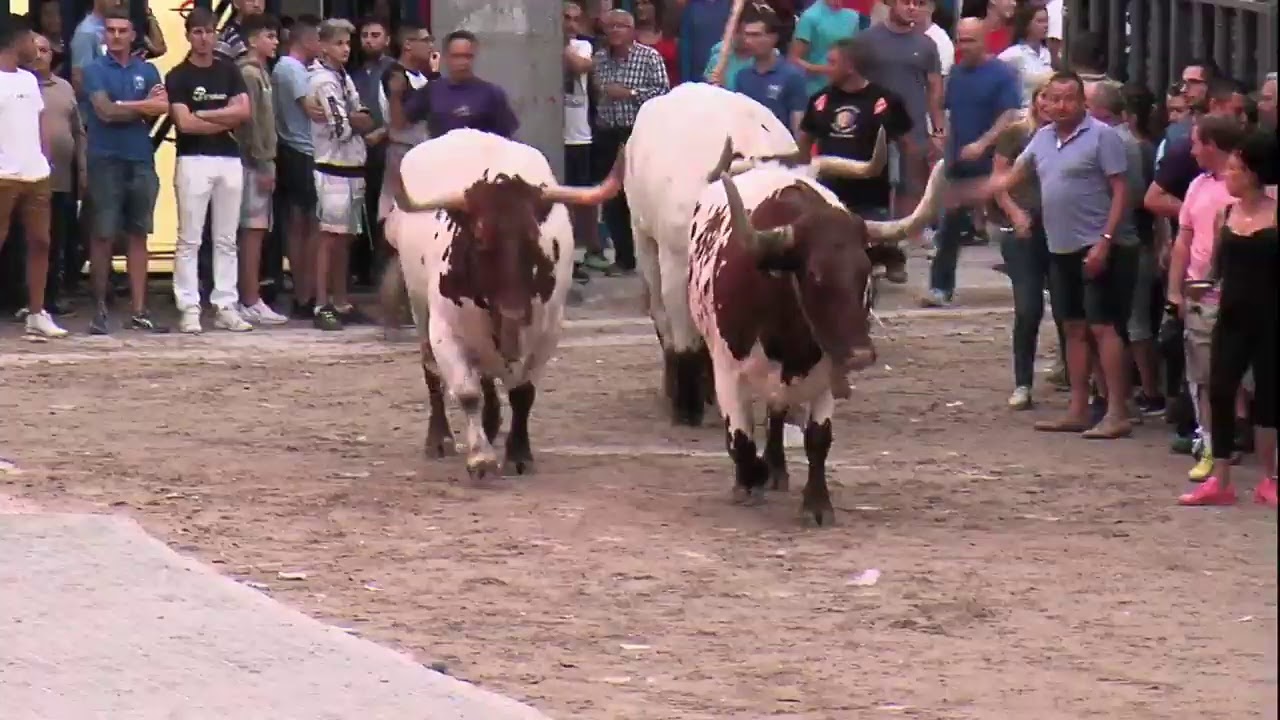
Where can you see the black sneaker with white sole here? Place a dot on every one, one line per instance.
(326, 318)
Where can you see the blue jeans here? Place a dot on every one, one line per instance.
(1027, 260)
(942, 271)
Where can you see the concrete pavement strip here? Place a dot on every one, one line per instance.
(100, 621)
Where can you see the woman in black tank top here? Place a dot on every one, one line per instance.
(1247, 265)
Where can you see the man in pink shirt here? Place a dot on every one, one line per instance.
(1191, 262)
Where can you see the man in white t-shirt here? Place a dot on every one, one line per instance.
(24, 167)
(1054, 38)
(577, 134)
(938, 34)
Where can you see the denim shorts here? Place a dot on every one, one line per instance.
(122, 196)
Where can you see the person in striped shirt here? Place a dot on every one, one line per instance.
(231, 41)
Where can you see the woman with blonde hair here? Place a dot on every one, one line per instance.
(1016, 217)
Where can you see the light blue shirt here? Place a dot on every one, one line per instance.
(88, 43)
(821, 26)
(1075, 181)
(290, 82)
(731, 69)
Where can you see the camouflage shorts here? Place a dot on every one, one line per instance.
(340, 204)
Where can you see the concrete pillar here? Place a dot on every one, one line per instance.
(520, 50)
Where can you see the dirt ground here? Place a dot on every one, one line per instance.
(1020, 575)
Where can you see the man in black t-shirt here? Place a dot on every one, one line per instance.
(843, 120)
(207, 101)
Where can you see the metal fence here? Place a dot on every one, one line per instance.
(1149, 41)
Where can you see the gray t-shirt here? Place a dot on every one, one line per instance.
(1075, 185)
(1127, 232)
(902, 63)
(289, 83)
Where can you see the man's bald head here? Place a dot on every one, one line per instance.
(971, 41)
(1105, 101)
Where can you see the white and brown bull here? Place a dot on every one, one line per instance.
(486, 255)
(778, 286)
(673, 154)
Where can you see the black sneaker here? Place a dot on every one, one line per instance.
(303, 309)
(580, 275)
(142, 321)
(101, 322)
(1150, 406)
(326, 318)
(352, 315)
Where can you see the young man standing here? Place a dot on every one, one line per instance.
(257, 140)
(340, 156)
(771, 80)
(24, 167)
(905, 62)
(295, 166)
(124, 95)
(844, 120)
(375, 44)
(207, 101)
(576, 59)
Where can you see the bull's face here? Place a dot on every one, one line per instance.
(798, 232)
(834, 279)
(504, 218)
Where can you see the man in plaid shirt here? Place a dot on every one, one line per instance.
(626, 75)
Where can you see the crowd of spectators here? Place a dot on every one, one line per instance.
(1148, 219)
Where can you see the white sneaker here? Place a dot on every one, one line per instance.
(42, 324)
(190, 322)
(1021, 398)
(260, 313)
(226, 318)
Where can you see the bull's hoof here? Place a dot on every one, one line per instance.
(514, 465)
(482, 466)
(440, 447)
(743, 495)
(819, 512)
(779, 480)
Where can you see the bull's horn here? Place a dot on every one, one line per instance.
(927, 210)
(606, 190)
(456, 201)
(758, 243)
(737, 167)
(844, 167)
(725, 162)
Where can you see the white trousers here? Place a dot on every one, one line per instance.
(201, 181)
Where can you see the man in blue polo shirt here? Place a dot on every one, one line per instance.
(771, 80)
(983, 96)
(123, 95)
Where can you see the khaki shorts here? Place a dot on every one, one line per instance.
(30, 199)
(340, 204)
(255, 205)
(1198, 334)
(1201, 317)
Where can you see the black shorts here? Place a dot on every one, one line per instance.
(577, 165)
(1103, 300)
(295, 177)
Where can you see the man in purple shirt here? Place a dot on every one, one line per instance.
(460, 99)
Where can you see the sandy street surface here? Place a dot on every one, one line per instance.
(1020, 575)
